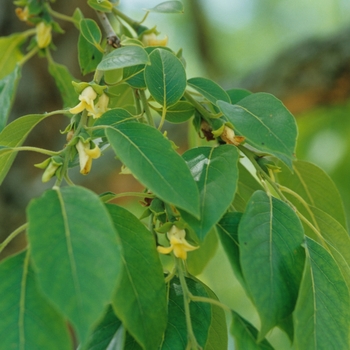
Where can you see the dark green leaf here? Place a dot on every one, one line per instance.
(237, 94)
(216, 173)
(209, 89)
(90, 31)
(122, 96)
(140, 300)
(89, 56)
(165, 77)
(265, 123)
(322, 313)
(168, 7)
(246, 335)
(179, 113)
(134, 76)
(8, 88)
(28, 320)
(76, 253)
(126, 56)
(152, 160)
(272, 259)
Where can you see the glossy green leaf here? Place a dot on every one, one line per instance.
(130, 343)
(179, 112)
(90, 31)
(63, 80)
(165, 77)
(246, 335)
(14, 135)
(209, 89)
(104, 332)
(8, 88)
(28, 320)
(215, 172)
(101, 5)
(322, 313)
(76, 253)
(227, 229)
(152, 160)
(168, 7)
(134, 76)
(237, 94)
(10, 53)
(315, 187)
(88, 55)
(265, 123)
(140, 300)
(272, 258)
(124, 57)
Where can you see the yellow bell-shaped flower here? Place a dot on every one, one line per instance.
(86, 155)
(86, 98)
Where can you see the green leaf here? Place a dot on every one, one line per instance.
(28, 320)
(10, 53)
(8, 88)
(322, 313)
(64, 84)
(91, 31)
(139, 147)
(179, 112)
(101, 5)
(265, 123)
(272, 258)
(227, 230)
(215, 172)
(14, 135)
(122, 96)
(237, 94)
(315, 187)
(134, 76)
(165, 77)
(124, 57)
(105, 331)
(168, 7)
(88, 55)
(140, 301)
(246, 335)
(76, 253)
(209, 89)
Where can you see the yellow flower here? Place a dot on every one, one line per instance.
(86, 155)
(178, 244)
(151, 40)
(86, 99)
(100, 107)
(228, 135)
(22, 14)
(43, 34)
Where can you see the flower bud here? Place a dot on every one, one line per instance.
(43, 35)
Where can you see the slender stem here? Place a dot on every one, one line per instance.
(162, 118)
(61, 16)
(210, 301)
(28, 56)
(170, 276)
(112, 38)
(12, 235)
(146, 107)
(205, 113)
(133, 24)
(36, 149)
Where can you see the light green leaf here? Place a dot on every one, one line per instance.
(315, 187)
(179, 112)
(272, 259)
(8, 87)
(165, 77)
(209, 89)
(124, 57)
(14, 135)
(215, 172)
(139, 147)
(237, 94)
(91, 31)
(265, 123)
(168, 7)
(246, 335)
(140, 301)
(122, 96)
(76, 253)
(89, 56)
(63, 80)
(322, 313)
(28, 320)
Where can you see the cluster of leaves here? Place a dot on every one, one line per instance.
(92, 268)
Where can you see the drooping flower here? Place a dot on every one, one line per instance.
(22, 13)
(43, 34)
(86, 155)
(152, 40)
(86, 98)
(100, 107)
(178, 243)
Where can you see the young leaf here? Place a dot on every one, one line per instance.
(215, 172)
(126, 56)
(265, 123)
(140, 301)
(209, 89)
(91, 31)
(246, 335)
(88, 55)
(14, 135)
(28, 320)
(139, 147)
(168, 7)
(165, 77)
(322, 313)
(8, 87)
(272, 258)
(76, 253)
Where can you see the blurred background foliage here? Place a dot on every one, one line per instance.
(298, 50)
